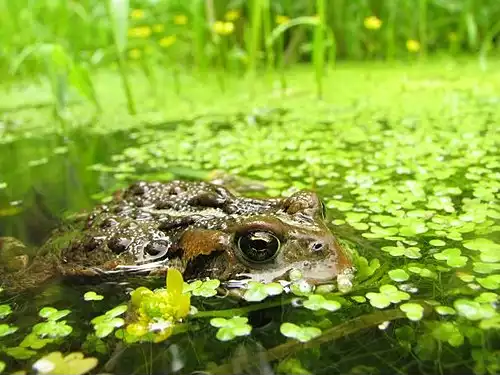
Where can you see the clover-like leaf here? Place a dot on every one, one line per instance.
(300, 333)
(72, 364)
(448, 332)
(388, 294)
(6, 329)
(5, 310)
(473, 310)
(19, 353)
(318, 302)
(413, 311)
(490, 323)
(491, 282)
(231, 328)
(200, 288)
(445, 310)
(257, 291)
(52, 329)
(92, 296)
(398, 275)
(452, 257)
(409, 252)
(52, 314)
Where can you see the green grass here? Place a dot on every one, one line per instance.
(177, 33)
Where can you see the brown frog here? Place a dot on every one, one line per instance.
(197, 227)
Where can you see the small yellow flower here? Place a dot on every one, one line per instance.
(281, 19)
(137, 14)
(372, 23)
(452, 36)
(139, 32)
(413, 45)
(223, 28)
(167, 41)
(232, 15)
(180, 19)
(158, 28)
(134, 54)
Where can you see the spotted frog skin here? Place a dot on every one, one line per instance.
(199, 228)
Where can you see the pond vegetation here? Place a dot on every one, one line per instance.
(404, 150)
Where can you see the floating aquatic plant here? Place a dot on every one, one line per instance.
(5, 310)
(92, 296)
(199, 288)
(300, 333)
(231, 328)
(71, 364)
(257, 291)
(106, 323)
(388, 294)
(318, 302)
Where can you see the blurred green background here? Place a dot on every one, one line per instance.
(68, 40)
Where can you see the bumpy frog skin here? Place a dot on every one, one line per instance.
(200, 228)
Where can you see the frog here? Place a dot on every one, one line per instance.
(204, 230)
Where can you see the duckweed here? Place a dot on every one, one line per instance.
(300, 333)
(231, 328)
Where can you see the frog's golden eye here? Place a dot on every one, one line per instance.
(259, 246)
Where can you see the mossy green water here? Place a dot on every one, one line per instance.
(407, 160)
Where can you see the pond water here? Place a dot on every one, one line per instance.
(411, 184)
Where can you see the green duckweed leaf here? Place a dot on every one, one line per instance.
(413, 311)
(19, 353)
(6, 329)
(300, 333)
(473, 310)
(72, 364)
(51, 313)
(448, 332)
(491, 282)
(437, 243)
(408, 252)
(258, 291)
(92, 296)
(491, 323)
(445, 310)
(452, 257)
(2, 366)
(398, 275)
(317, 302)
(388, 294)
(200, 288)
(5, 310)
(52, 329)
(231, 328)
(359, 299)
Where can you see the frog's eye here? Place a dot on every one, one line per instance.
(259, 246)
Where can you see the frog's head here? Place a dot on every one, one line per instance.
(267, 246)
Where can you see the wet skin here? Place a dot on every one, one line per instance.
(199, 228)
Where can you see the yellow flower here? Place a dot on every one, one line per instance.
(158, 28)
(167, 41)
(223, 28)
(139, 32)
(281, 19)
(180, 19)
(232, 15)
(137, 14)
(372, 23)
(134, 53)
(413, 45)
